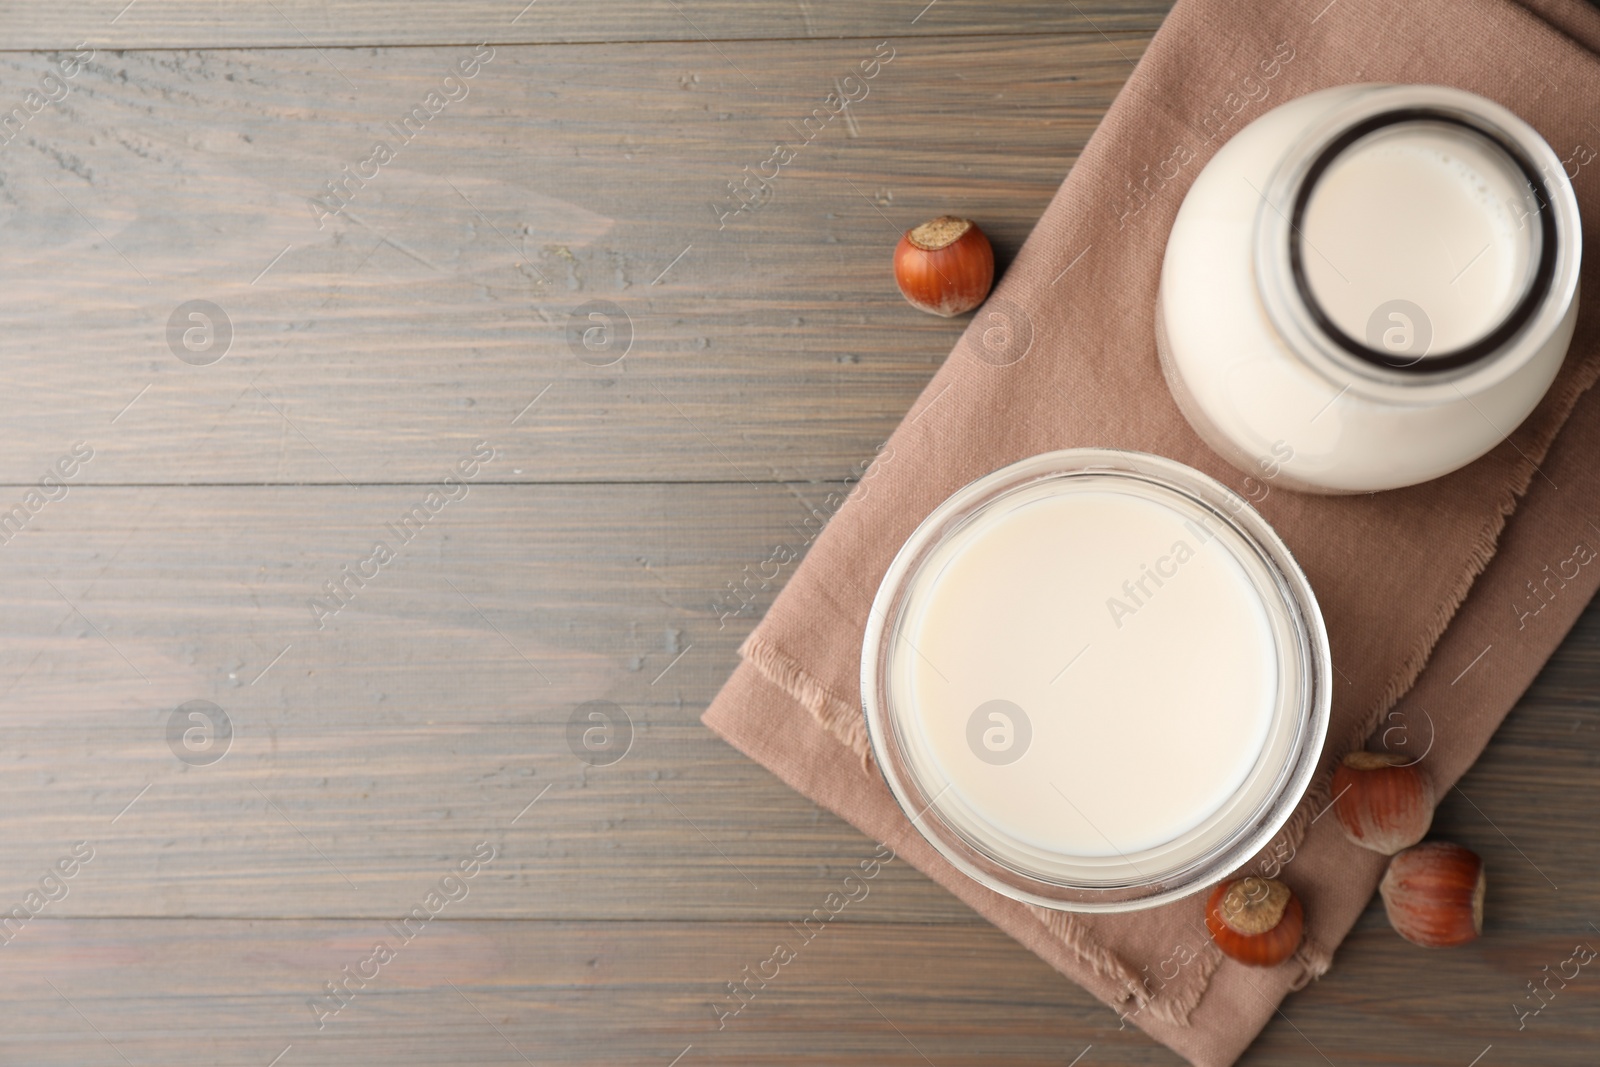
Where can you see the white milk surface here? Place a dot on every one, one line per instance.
(1172, 680)
(1425, 213)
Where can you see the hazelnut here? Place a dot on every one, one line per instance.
(1257, 921)
(1433, 893)
(1383, 802)
(945, 266)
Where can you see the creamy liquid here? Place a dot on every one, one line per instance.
(1427, 214)
(1168, 697)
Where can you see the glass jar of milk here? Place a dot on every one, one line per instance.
(1369, 287)
(1096, 680)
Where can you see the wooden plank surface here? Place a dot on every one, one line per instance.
(379, 343)
(590, 560)
(338, 23)
(186, 992)
(433, 708)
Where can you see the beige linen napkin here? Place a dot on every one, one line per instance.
(1074, 364)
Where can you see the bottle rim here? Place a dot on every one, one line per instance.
(1309, 331)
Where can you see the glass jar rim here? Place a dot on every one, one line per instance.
(1301, 705)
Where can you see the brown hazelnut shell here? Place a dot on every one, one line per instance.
(1383, 802)
(1434, 894)
(944, 266)
(1257, 921)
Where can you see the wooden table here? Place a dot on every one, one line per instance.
(350, 355)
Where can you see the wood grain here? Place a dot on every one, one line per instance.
(579, 993)
(301, 23)
(434, 308)
(424, 716)
(224, 991)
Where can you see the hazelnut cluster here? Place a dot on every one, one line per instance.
(1433, 891)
